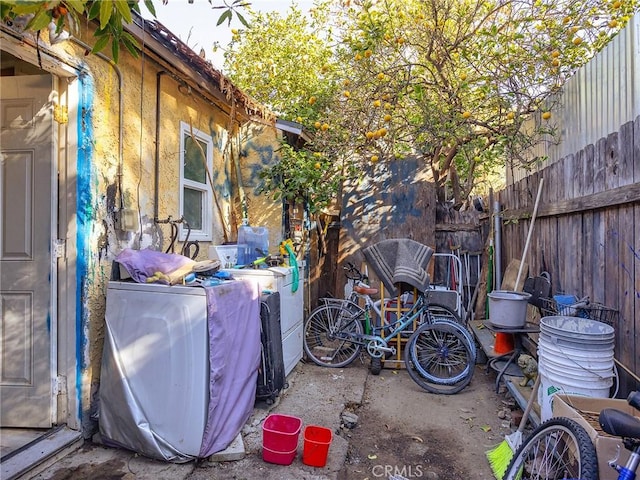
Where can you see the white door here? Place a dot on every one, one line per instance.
(25, 252)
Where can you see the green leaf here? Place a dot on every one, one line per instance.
(106, 9)
(123, 7)
(40, 21)
(242, 19)
(150, 7)
(225, 16)
(115, 50)
(94, 11)
(76, 5)
(4, 10)
(130, 43)
(102, 41)
(25, 8)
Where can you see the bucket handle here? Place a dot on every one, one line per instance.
(555, 341)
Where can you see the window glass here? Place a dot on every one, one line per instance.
(193, 208)
(193, 161)
(196, 196)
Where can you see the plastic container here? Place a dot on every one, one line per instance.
(317, 441)
(504, 343)
(279, 458)
(280, 434)
(253, 243)
(575, 357)
(508, 309)
(227, 254)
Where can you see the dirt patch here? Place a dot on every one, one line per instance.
(404, 431)
(110, 470)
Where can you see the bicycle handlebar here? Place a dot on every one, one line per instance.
(353, 273)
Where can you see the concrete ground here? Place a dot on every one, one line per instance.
(320, 396)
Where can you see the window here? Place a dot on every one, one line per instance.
(196, 196)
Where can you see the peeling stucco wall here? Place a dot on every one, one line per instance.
(109, 181)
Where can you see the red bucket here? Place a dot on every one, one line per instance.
(280, 458)
(280, 438)
(316, 445)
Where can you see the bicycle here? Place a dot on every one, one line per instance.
(561, 449)
(439, 355)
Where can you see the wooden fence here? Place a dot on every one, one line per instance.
(587, 232)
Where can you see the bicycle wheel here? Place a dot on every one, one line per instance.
(329, 336)
(443, 314)
(440, 354)
(557, 449)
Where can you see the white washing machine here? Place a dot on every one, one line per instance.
(154, 384)
(281, 279)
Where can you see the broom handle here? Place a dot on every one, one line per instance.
(526, 245)
(527, 410)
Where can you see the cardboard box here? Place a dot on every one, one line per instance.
(585, 411)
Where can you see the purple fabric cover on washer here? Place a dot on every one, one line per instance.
(234, 357)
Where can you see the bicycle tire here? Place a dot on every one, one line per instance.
(436, 388)
(559, 448)
(444, 314)
(376, 365)
(326, 336)
(440, 354)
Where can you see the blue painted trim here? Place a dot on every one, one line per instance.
(84, 211)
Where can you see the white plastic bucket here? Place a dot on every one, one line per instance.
(575, 357)
(508, 309)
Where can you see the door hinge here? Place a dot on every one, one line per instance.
(60, 385)
(59, 248)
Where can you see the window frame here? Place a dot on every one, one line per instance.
(206, 233)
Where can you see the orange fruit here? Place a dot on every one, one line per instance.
(346, 93)
(555, 53)
(381, 76)
(613, 23)
(317, 165)
(463, 76)
(466, 114)
(325, 127)
(577, 41)
(312, 100)
(369, 135)
(374, 158)
(317, 125)
(377, 103)
(387, 118)
(546, 115)
(511, 115)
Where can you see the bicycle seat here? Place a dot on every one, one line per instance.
(365, 290)
(620, 424)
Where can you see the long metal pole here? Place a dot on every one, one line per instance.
(497, 242)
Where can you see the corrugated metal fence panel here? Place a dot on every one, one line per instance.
(596, 101)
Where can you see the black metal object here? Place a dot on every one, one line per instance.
(271, 377)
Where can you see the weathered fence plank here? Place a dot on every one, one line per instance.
(587, 234)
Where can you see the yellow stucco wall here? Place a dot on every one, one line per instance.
(127, 180)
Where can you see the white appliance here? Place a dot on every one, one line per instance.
(281, 279)
(154, 388)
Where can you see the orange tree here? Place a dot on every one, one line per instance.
(448, 81)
